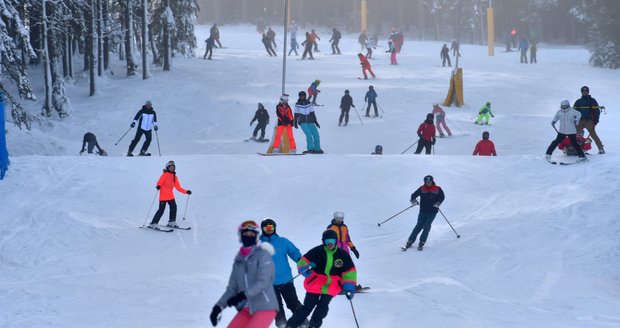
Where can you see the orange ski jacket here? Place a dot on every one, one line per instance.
(167, 181)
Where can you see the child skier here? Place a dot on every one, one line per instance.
(426, 132)
(262, 116)
(392, 51)
(440, 118)
(346, 102)
(166, 182)
(371, 99)
(342, 231)
(313, 91)
(568, 149)
(285, 122)
(431, 197)
(485, 147)
(484, 113)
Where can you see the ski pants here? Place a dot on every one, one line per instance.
(90, 140)
(364, 69)
(270, 51)
(344, 113)
(590, 126)
(393, 60)
(307, 51)
(320, 301)
(422, 143)
(261, 127)
(425, 220)
(260, 319)
(209, 52)
(289, 294)
(374, 104)
(160, 211)
(524, 56)
(441, 122)
(533, 58)
(444, 59)
(483, 117)
(294, 47)
(313, 141)
(148, 134)
(289, 133)
(312, 98)
(369, 53)
(573, 141)
(335, 48)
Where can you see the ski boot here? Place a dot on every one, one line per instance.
(404, 248)
(172, 224)
(421, 246)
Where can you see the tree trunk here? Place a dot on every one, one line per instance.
(131, 66)
(145, 72)
(99, 39)
(167, 45)
(106, 35)
(90, 45)
(47, 103)
(156, 60)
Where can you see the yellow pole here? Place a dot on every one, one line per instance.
(288, 14)
(364, 16)
(490, 31)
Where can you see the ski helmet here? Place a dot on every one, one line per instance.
(302, 93)
(430, 116)
(488, 103)
(260, 106)
(249, 225)
(429, 178)
(564, 104)
(585, 88)
(170, 163)
(329, 234)
(435, 105)
(268, 225)
(339, 216)
(284, 98)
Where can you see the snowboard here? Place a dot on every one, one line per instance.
(257, 140)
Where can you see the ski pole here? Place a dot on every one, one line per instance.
(150, 208)
(457, 235)
(123, 136)
(358, 114)
(354, 316)
(157, 137)
(308, 267)
(393, 216)
(404, 151)
(556, 130)
(455, 125)
(382, 111)
(185, 212)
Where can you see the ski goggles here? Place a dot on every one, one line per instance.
(249, 225)
(330, 241)
(270, 228)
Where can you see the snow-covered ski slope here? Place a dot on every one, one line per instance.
(539, 242)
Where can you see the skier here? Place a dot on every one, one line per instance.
(215, 34)
(328, 270)
(272, 37)
(209, 43)
(399, 40)
(362, 39)
(392, 51)
(336, 36)
(342, 231)
(590, 113)
(262, 116)
(455, 47)
(440, 118)
(250, 288)
(523, 46)
(568, 118)
(426, 132)
(313, 38)
(91, 140)
(346, 102)
(533, 51)
(305, 116)
(485, 147)
(370, 44)
(568, 149)
(365, 66)
(431, 197)
(307, 47)
(147, 121)
(165, 184)
(484, 114)
(444, 54)
(285, 122)
(371, 99)
(283, 282)
(313, 91)
(378, 150)
(267, 43)
(294, 44)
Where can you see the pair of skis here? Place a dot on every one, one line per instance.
(404, 248)
(166, 228)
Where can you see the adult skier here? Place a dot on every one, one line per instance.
(392, 51)
(267, 43)
(215, 34)
(307, 43)
(313, 91)
(568, 118)
(440, 118)
(262, 116)
(294, 44)
(335, 39)
(283, 281)
(342, 231)
(250, 288)
(362, 39)
(328, 270)
(167, 181)
(455, 47)
(346, 102)
(426, 132)
(523, 46)
(431, 197)
(590, 113)
(147, 121)
(90, 139)
(485, 147)
(209, 43)
(285, 122)
(444, 54)
(370, 44)
(272, 37)
(484, 114)
(313, 38)
(365, 66)
(371, 99)
(304, 116)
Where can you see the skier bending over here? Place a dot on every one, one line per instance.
(91, 140)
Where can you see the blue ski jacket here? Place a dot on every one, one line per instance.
(284, 248)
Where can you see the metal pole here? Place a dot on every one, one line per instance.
(458, 35)
(284, 47)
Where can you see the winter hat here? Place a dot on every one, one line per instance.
(430, 116)
(268, 225)
(346, 92)
(317, 81)
(246, 226)
(302, 93)
(485, 134)
(170, 163)
(488, 103)
(284, 97)
(564, 104)
(429, 178)
(329, 234)
(148, 103)
(435, 105)
(260, 106)
(585, 88)
(339, 216)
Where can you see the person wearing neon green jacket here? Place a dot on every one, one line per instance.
(485, 114)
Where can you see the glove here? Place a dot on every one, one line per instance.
(215, 315)
(251, 123)
(420, 135)
(158, 187)
(233, 301)
(133, 124)
(189, 192)
(414, 202)
(357, 254)
(433, 142)
(575, 123)
(155, 128)
(307, 270)
(81, 151)
(492, 115)
(318, 125)
(553, 124)
(436, 205)
(349, 295)
(296, 126)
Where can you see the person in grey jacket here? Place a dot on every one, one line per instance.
(568, 118)
(250, 287)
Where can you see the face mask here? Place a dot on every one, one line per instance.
(248, 241)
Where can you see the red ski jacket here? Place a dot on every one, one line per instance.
(427, 131)
(485, 148)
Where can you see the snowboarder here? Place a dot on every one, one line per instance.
(370, 44)
(272, 37)
(313, 38)
(431, 197)
(533, 51)
(267, 43)
(566, 147)
(215, 34)
(285, 122)
(165, 184)
(590, 113)
(313, 91)
(346, 102)
(91, 140)
(147, 121)
(362, 39)
(392, 51)
(440, 118)
(568, 118)
(209, 43)
(444, 54)
(371, 99)
(307, 47)
(378, 150)
(283, 282)
(523, 46)
(485, 147)
(335, 39)
(365, 66)
(250, 288)
(305, 116)
(328, 270)
(262, 116)
(484, 114)
(426, 132)
(342, 231)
